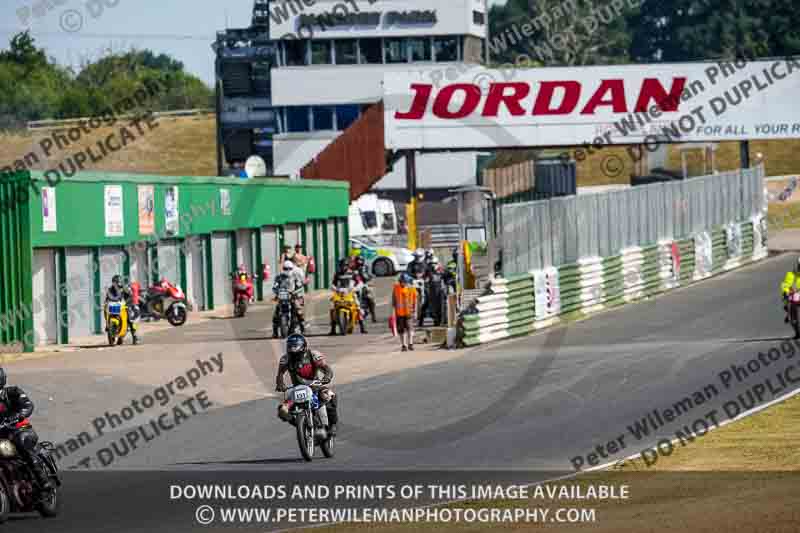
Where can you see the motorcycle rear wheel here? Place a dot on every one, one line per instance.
(305, 436)
(327, 447)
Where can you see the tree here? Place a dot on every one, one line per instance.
(560, 32)
(691, 30)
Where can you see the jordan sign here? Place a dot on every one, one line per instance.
(624, 104)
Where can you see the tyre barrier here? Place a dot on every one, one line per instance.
(523, 303)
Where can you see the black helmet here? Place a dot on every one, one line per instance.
(116, 280)
(296, 345)
(3, 378)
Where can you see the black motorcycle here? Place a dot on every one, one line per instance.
(19, 492)
(287, 312)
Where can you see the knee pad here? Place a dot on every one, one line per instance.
(27, 440)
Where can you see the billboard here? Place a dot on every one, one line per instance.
(601, 105)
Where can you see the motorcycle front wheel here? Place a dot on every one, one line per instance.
(343, 322)
(176, 316)
(305, 436)
(284, 326)
(5, 503)
(50, 506)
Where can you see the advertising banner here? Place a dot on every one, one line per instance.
(733, 236)
(703, 256)
(147, 217)
(547, 302)
(594, 105)
(171, 222)
(49, 218)
(114, 219)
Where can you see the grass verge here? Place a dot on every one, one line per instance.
(743, 477)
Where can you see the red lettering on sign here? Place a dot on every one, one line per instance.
(617, 101)
(653, 90)
(497, 96)
(419, 104)
(544, 100)
(472, 97)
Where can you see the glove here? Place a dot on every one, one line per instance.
(281, 387)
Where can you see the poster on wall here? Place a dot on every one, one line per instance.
(702, 255)
(115, 226)
(49, 222)
(733, 235)
(171, 222)
(225, 201)
(147, 215)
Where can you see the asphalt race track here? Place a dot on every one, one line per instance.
(529, 404)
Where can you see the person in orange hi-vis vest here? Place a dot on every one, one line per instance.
(404, 305)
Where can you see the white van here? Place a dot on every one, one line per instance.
(372, 217)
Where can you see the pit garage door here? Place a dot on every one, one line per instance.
(140, 266)
(331, 232)
(168, 262)
(269, 249)
(244, 249)
(195, 272)
(111, 263)
(221, 264)
(45, 291)
(80, 295)
(292, 235)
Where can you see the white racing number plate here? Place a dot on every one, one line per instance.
(301, 395)
(283, 295)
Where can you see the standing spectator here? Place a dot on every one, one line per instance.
(287, 254)
(404, 305)
(299, 259)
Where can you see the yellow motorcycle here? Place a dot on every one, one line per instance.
(345, 312)
(116, 314)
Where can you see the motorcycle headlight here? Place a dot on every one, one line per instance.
(7, 448)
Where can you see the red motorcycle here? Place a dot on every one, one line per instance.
(165, 300)
(242, 293)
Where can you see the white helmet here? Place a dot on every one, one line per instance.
(419, 253)
(288, 265)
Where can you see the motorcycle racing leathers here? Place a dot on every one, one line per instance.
(310, 366)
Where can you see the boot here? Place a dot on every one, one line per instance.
(332, 332)
(362, 326)
(40, 474)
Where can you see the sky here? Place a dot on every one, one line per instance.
(74, 31)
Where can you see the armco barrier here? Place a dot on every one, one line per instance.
(523, 303)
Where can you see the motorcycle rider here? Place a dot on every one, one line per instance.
(360, 270)
(345, 276)
(119, 292)
(417, 265)
(343, 271)
(304, 366)
(15, 406)
(790, 282)
(242, 271)
(293, 282)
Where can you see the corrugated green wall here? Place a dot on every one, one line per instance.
(16, 263)
(254, 203)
